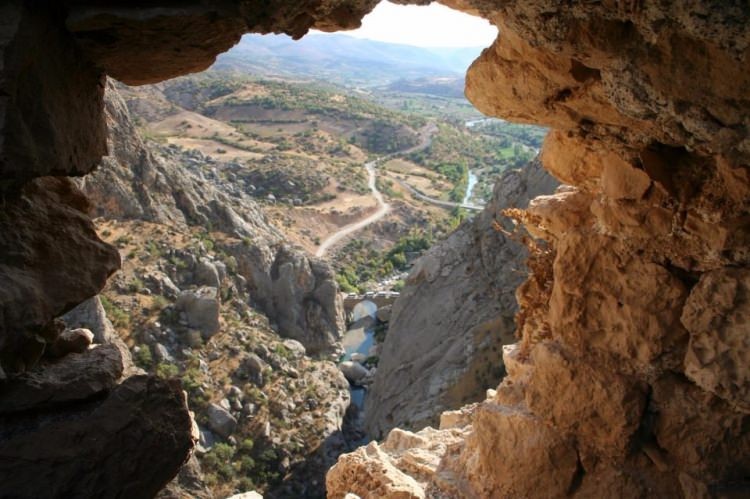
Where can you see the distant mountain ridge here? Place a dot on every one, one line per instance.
(344, 59)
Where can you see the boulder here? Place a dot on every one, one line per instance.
(91, 315)
(297, 292)
(354, 371)
(296, 349)
(135, 437)
(384, 313)
(162, 354)
(160, 283)
(254, 367)
(221, 421)
(206, 440)
(201, 308)
(206, 274)
(71, 341)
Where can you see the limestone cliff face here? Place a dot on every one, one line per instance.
(446, 332)
(627, 381)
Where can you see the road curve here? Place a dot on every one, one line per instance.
(383, 209)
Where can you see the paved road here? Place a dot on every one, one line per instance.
(438, 202)
(383, 208)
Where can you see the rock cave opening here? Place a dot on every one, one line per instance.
(631, 375)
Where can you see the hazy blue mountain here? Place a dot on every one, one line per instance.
(344, 59)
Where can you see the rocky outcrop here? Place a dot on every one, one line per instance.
(85, 403)
(201, 309)
(139, 181)
(629, 351)
(298, 293)
(446, 330)
(48, 264)
(90, 315)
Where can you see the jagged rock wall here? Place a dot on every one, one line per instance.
(447, 328)
(630, 378)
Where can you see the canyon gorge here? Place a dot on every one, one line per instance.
(629, 373)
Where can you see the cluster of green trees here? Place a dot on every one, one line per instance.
(382, 136)
(529, 135)
(458, 174)
(366, 266)
(246, 464)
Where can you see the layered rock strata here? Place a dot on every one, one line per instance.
(448, 326)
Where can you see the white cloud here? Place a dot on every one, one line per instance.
(426, 26)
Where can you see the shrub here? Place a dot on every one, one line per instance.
(167, 370)
(219, 461)
(136, 285)
(143, 358)
(246, 446)
(119, 317)
(159, 302)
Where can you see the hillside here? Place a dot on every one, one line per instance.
(343, 59)
(298, 149)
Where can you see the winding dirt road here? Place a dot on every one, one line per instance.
(383, 208)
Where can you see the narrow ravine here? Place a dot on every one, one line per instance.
(360, 346)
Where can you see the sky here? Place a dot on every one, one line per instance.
(434, 25)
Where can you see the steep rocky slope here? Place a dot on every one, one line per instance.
(447, 328)
(269, 415)
(198, 256)
(172, 186)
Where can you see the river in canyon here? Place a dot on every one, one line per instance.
(359, 344)
(470, 187)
